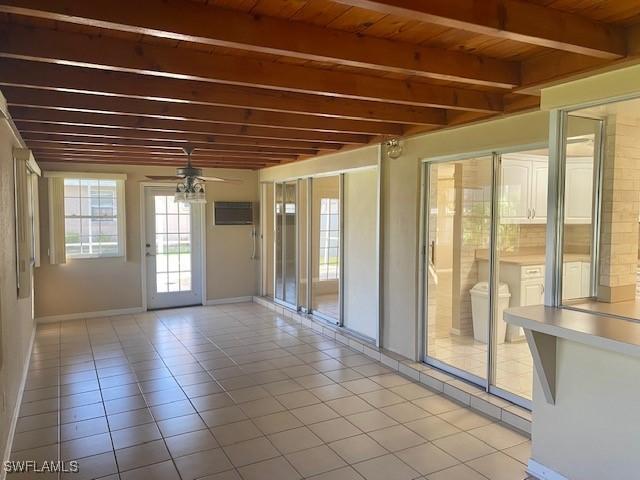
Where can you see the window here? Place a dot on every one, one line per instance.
(91, 217)
(86, 215)
(329, 239)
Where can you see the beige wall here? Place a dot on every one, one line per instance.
(360, 251)
(16, 322)
(90, 285)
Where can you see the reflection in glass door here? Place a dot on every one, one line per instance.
(458, 211)
(286, 243)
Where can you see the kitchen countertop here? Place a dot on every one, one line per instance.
(601, 331)
(533, 258)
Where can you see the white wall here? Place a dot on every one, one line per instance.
(593, 430)
(360, 251)
(16, 322)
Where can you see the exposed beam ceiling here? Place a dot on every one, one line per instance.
(512, 20)
(177, 137)
(163, 61)
(209, 25)
(64, 101)
(67, 78)
(251, 84)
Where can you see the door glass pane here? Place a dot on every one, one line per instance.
(457, 306)
(521, 244)
(580, 184)
(279, 216)
(601, 270)
(173, 245)
(325, 246)
(303, 222)
(290, 244)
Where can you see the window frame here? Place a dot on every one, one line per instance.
(120, 216)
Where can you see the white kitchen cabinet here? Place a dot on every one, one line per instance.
(578, 191)
(515, 191)
(524, 189)
(540, 180)
(586, 280)
(523, 196)
(532, 292)
(572, 280)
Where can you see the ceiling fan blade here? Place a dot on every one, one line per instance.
(163, 177)
(220, 179)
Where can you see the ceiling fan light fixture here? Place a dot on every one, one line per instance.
(190, 189)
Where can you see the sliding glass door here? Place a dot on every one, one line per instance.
(458, 224)
(285, 255)
(326, 248)
(485, 224)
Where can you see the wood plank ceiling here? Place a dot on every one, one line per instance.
(253, 83)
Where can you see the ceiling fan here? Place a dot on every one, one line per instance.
(190, 187)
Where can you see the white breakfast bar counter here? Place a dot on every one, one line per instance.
(586, 393)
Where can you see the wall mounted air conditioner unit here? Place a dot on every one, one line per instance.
(233, 213)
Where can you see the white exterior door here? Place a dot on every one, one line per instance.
(173, 250)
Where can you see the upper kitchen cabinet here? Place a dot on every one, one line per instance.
(523, 198)
(578, 190)
(516, 191)
(524, 188)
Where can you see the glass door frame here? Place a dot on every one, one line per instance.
(330, 320)
(557, 167)
(488, 383)
(283, 258)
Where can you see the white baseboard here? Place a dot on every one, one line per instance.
(16, 410)
(222, 301)
(99, 313)
(543, 473)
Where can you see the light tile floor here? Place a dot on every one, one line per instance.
(514, 365)
(238, 392)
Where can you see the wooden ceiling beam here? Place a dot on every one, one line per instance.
(135, 107)
(511, 20)
(178, 137)
(66, 78)
(158, 163)
(43, 148)
(210, 25)
(221, 150)
(145, 123)
(179, 160)
(99, 52)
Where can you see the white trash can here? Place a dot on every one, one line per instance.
(480, 311)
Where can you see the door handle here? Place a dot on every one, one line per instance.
(150, 254)
(433, 252)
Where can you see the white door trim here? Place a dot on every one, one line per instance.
(143, 235)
